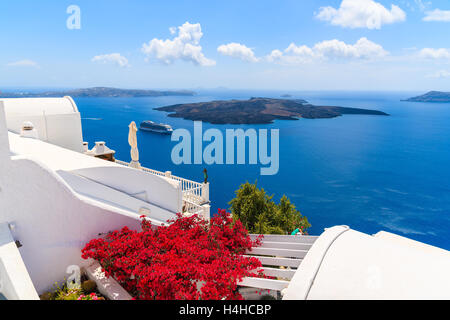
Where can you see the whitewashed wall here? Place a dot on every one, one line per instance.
(15, 282)
(346, 264)
(51, 222)
(162, 192)
(56, 120)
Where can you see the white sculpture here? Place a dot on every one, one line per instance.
(132, 140)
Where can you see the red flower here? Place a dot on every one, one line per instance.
(187, 259)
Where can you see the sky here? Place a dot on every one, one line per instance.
(281, 45)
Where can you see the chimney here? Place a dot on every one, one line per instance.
(28, 130)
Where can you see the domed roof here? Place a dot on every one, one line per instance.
(39, 106)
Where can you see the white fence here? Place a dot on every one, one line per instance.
(190, 208)
(195, 194)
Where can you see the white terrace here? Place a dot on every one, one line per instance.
(55, 196)
(346, 264)
(60, 146)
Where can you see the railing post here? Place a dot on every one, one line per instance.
(205, 192)
(206, 212)
(168, 174)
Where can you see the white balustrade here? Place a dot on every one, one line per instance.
(195, 194)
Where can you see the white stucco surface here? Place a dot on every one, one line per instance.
(108, 287)
(55, 157)
(56, 120)
(426, 248)
(347, 264)
(53, 219)
(15, 283)
(106, 197)
(161, 192)
(35, 106)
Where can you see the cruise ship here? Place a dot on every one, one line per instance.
(156, 127)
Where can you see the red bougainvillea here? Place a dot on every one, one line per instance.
(188, 259)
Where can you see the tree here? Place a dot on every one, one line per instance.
(260, 214)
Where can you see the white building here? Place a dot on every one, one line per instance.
(347, 264)
(55, 197)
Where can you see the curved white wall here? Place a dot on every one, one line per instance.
(347, 264)
(162, 192)
(57, 205)
(52, 224)
(37, 106)
(56, 120)
(15, 282)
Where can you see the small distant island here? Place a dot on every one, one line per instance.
(97, 92)
(258, 111)
(432, 96)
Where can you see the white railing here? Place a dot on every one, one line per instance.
(190, 208)
(195, 194)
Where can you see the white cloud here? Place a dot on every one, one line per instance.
(361, 14)
(431, 53)
(437, 15)
(184, 46)
(440, 74)
(363, 49)
(293, 54)
(115, 58)
(238, 51)
(24, 63)
(275, 56)
(303, 51)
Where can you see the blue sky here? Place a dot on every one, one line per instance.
(285, 44)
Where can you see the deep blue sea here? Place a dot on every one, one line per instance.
(369, 172)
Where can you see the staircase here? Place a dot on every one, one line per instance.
(280, 255)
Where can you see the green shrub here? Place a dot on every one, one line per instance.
(85, 291)
(260, 214)
(68, 294)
